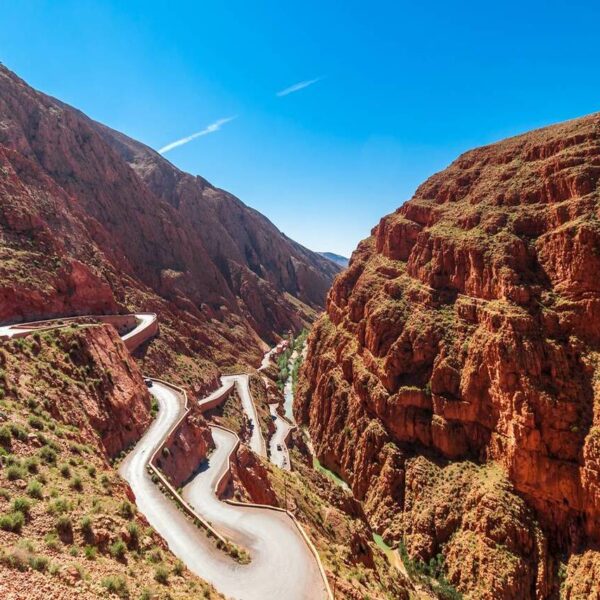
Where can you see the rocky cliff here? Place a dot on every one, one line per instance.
(71, 400)
(92, 221)
(453, 381)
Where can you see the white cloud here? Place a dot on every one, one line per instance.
(210, 129)
(297, 86)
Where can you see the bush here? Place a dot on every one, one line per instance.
(76, 483)
(51, 540)
(12, 522)
(161, 574)
(4, 493)
(91, 471)
(22, 505)
(126, 510)
(90, 552)
(115, 584)
(134, 534)
(34, 489)
(118, 550)
(5, 436)
(15, 472)
(65, 470)
(63, 525)
(17, 559)
(155, 556)
(86, 526)
(48, 455)
(36, 422)
(147, 594)
(179, 568)
(38, 563)
(32, 464)
(18, 432)
(58, 506)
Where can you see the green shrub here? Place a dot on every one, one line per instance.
(34, 489)
(48, 455)
(5, 436)
(51, 540)
(179, 568)
(126, 510)
(18, 432)
(116, 584)
(16, 559)
(4, 493)
(38, 563)
(134, 534)
(58, 506)
(32, 464)
(12, 522)
(118, 549)
(63, 525)
(65, 470)
(15, 472)
(90, 552)
(91, 471)
(35, 422)
(155, 556)
(161, 574)
(86, 526)
(147, 594)
(22, 505)
(76, 483)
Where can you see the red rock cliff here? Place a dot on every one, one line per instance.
(464, 337)
(92, 221)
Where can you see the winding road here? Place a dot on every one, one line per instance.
(282, 563)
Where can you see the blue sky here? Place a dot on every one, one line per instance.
(403, 88)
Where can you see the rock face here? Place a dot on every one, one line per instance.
(92, 221)
(465, 333)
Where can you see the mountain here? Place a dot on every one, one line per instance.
(342, 261)
(454, 380)
(93, 222)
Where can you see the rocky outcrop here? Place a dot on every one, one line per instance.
(250, 477)
(185, 449)
(94, 222)
(466, 331)
(111, 406)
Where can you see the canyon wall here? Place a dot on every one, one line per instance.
(92, 221)
(453, 381)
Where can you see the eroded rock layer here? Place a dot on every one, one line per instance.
(453, 381)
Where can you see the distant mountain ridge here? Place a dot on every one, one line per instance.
(342, 261)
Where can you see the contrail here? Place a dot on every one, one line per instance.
(210, 129)
(298, 86)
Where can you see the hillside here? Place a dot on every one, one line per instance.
(453, 381)
(94, 222)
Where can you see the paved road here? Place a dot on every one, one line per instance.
(242, 384)
(282, 567)
(277, 446)
(143, 321)
(184, 539)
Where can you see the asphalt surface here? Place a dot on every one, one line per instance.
(257, 441)
(282, 566)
